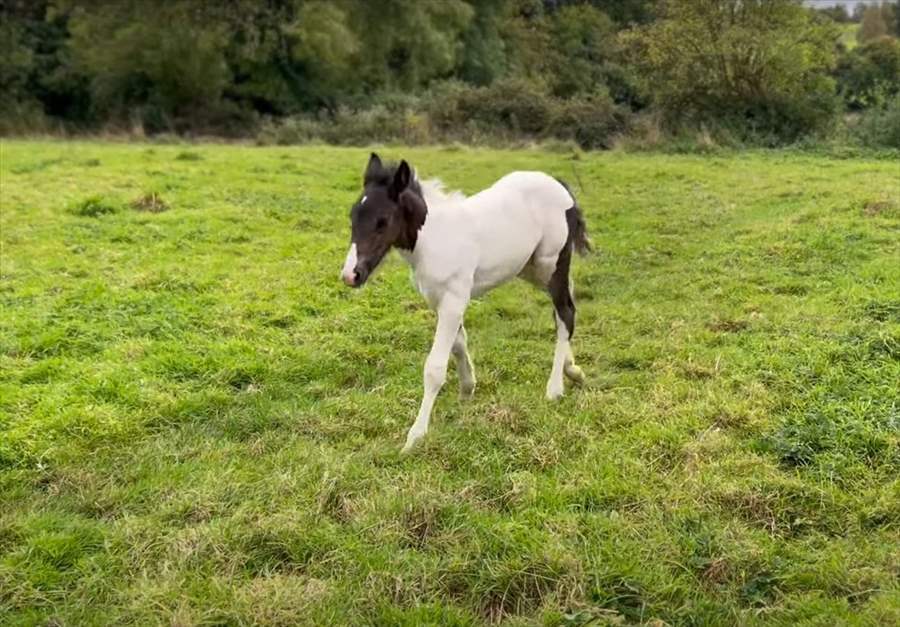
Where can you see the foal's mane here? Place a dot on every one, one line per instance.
(432, 190)
(434, 193)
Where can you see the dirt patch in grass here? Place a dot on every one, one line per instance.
(151, 203)
(881, 207)
(728, 326)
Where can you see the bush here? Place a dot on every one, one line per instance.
(593, 122)
(290, 130)
(508, 105)
(503, 113)
(516, 107)
(869, 71)
(377, 124)
(759, 68)
(350, 127)
(880, 127)
(22, 117)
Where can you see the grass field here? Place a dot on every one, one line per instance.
(201, 425)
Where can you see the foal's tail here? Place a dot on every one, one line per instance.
(577, 227)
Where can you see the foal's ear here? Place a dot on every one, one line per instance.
(414, 213)
(373, 168)
(401, 180)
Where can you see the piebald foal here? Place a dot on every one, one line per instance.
(526, 224)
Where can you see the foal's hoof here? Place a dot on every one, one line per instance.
(411, 441)
(575, 374)
(466, 392)
(554, 392)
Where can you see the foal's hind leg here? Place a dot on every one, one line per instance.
(464, 366)
(561, 292)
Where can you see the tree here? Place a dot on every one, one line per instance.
(584, 40)
(484, 53)
(870, 73)
(890, 13)
(156, 60)
(838, 13)
(404, 44)
(873, 25)
(627, 12)
(761, 64)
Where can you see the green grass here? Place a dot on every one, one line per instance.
(200, 425)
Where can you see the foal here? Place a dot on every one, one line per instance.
(526, 224)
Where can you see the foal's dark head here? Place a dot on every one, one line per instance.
(389, 213)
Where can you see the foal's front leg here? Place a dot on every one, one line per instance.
(450, 315)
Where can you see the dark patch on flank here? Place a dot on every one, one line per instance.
(559, 286)
(577, 226)
(577, 240)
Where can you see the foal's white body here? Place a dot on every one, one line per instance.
(516, 227)
(470, 245)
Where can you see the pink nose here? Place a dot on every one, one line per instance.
(349, 278)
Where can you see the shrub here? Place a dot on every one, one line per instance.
(593, 122)
(761, 68)
(499, 114)
(377, 124)
(350, 127)
(290, 130)
(513, 105)
(516, 107)
(22, 117)
(868, 72)
(880, 127)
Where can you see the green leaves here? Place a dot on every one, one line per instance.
(763, 66)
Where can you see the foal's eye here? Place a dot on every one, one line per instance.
(380, 224)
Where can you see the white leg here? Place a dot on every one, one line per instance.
(450, 314)
(464, 366)
(563, 351)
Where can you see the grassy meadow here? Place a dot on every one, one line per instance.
(199, 425)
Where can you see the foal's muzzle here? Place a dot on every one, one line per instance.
(354, 272)
(356, 277)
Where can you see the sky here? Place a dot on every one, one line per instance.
(850, 4)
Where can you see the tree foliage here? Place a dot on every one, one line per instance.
(873, 24)
(763, 63)
(870, 73)
(224, 67)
